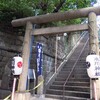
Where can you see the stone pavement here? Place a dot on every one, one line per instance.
(42, 98)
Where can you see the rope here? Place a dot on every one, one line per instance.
(7, 98)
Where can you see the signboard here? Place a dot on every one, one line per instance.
(93, 69)
(39, 59)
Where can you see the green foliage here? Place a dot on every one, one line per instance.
(75, 4)
(10, 9)
(26, 7)
(14, 9)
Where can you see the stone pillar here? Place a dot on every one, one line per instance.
(94, 42)
(40, 88)
(94, 47)
(22, 95)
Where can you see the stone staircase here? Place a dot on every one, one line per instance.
(77, 86)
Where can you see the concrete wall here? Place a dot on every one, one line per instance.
(10, 45)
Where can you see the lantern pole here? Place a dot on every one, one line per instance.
(13, 90)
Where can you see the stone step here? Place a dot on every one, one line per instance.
(63, 75)
(73, 77)
(71, 63)
(74, 71)
(61, 97)
(76, 67)
(80, 71)
(68, 93)
(71, 88)
(71, 83)
(80, 79)
(74, 74)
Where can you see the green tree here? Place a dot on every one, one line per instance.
(24, 8)
(14, 9)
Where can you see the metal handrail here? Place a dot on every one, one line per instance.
(73, 68)
(64, 58)
(68, 50)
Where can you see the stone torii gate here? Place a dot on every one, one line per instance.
(90, 12)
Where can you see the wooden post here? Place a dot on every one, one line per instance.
(94, 47)
(26, 54)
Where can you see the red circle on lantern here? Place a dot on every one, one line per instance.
(19, 64)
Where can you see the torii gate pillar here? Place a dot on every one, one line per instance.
(94, 47)
(22, 94)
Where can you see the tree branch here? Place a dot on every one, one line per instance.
(59, 6)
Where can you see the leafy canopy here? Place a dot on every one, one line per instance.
(14, 9)
(24, 8)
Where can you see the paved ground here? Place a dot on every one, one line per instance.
(41, 98)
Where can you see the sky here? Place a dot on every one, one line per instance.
(98, 3)
(98, 18)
